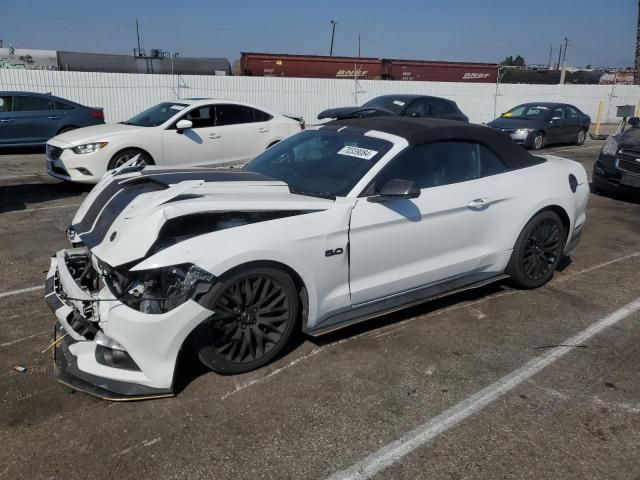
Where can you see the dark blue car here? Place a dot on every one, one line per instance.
(30, 119)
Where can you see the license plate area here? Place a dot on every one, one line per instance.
(630, 181)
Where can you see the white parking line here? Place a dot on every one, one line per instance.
(69, 205)
(395, 451)
(571, 149)
(9, 177)
(18, 340)
(22, 290)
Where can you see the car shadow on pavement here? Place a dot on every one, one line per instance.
(22, 196)
(21, 150)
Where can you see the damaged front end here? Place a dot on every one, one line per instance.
(90, 299)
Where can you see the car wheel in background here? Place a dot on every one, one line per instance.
(537, 251)
(538, 141)
(255, 314)
(124, 156)
(581, 136)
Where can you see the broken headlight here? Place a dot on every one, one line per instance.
(158, 290)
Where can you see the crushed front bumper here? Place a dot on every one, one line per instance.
(152, 340)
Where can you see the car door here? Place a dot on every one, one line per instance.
(7, 121)
(418, 108)
(556, 128)
(243, 137)
(200, 144)
(34, 119)
(399, 245)
(573, 122)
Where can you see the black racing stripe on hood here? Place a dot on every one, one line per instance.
(111, 211)
(118, 194)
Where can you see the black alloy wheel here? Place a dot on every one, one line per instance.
(254, 316)
(538, 251)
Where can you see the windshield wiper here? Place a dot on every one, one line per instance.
(312, 194)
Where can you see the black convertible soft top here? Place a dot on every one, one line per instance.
(426, 130)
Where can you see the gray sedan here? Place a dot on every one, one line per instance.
(30, 119)
(535, 125)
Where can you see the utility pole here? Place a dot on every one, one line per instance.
(333, 32)
(563, 72)
(138, 35)
(636, 76)
(358, 44)
(559, 56)
(551, 53)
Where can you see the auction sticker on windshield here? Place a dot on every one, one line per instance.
(358, 152)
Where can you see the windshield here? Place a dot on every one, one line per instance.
(156, 115)
(390, 103)
(321, 163)
(527, 112)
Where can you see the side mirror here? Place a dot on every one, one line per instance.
(396, 189)
(634, 121)
(183, 125)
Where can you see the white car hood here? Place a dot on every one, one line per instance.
(121, 218)
(95, 133)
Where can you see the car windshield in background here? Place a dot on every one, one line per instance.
(527, 112)
(321, 163)
(391, 103)
(156, 115)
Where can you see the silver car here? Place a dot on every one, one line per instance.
(30, 119)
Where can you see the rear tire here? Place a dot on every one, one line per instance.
(581, 136)
(537, 251)
(255, 314)
(124, 156)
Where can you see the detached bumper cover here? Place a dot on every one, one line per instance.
(153, 341)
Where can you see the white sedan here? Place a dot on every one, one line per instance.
(184, 132)
(334, 225)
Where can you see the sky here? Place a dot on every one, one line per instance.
(600, 33)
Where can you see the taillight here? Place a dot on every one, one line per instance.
(97, 114)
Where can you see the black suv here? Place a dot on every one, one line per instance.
(618, 165)
(400, 105)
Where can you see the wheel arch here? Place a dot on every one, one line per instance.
(557, 209)
(122, 149)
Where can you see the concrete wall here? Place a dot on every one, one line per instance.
(122, 95)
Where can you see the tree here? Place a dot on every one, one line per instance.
(513, 62)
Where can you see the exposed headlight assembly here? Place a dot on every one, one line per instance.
(159, 290)
(610, 147)
(89, 147)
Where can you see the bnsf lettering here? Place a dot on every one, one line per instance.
(474, 76)
(351, 73)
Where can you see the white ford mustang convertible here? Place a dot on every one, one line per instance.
(332, 226)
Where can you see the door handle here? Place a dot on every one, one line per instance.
(478, 203)
(55, 117)
(6, 121)
(214, 136)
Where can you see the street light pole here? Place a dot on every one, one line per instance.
(333, 32)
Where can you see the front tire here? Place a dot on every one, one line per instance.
(538, 141)
(537, 251)
(255, 314)
(124, 156)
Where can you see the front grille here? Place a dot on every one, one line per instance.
(629, 161)
(53, 152)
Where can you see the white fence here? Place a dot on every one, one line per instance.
(122, 95)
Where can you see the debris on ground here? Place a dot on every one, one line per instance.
(19, 368)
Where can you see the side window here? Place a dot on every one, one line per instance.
(233, 115)
(571, 112)
(63, 106)
(31, 104)
(434, 164)
(418, 108)
(440, 107)
(490, 164)
(261, 116)
(557, 112)
(202, 117)
(5, 104)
